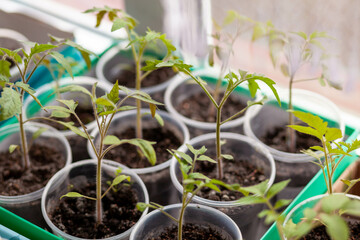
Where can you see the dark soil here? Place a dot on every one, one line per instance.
(235, 171)
(319, 233)
(45, 162)
(276, 138)
(197, 107)
(76, 216)
(127, 154)
(127, 77)
(190, 232)
(10, 44)
(86, 115)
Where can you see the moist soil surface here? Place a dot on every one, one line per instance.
(76, 216)
(127, 77)
(197, 107)
(190, 232)
(319, 233)
(235, 171)
(128, 155)
(45, 162)
(276, 138)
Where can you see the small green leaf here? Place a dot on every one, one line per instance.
(10, 103)
(38, 132)
(59, 114)
(248, 200)
(301, 34)
(13, 147)
(198, 152)
(307, 130)
(112, 140)
(71, 126)
(227, 156)
(258, 189)
(71, 104)
(333, 134)
(146, 148)
(276, 188)
(282, 203)
(105, 102)
(5, 68)
(114, 93)
(62, 61)
(333, 202)
(205, 158)
(72, 195)
(120, 179)
(75, 88)
(312, 120)
(184, 156)
(39, 48)
(336, 226)
(141, 206)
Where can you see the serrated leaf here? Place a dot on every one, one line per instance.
(62, 61)
(282, 203)
(10, 103)
(253, 87)
(70, 125)
(5, 68)
(197, 175)
(307, 130)
(30, 91)
(58, 108)
(184, 156)
(72, 195)
(114, 93)
(120, 179)
(71, 104)
(13, 147)
(105, 102)
(333, 202)
(332, 134)
(276, 188)
(313, 121)
(38, 132)
(146, 148)
(75, 88)
(258, 189)
(39, 48)
(112, 140)
(3, 80)
(147, 100)
(212, 186)
(336, 226)
(59, 114)
(205, 158)
(248, 200)
(119, 23)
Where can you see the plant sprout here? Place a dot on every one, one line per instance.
(13, 94)
(329, 214)
(233, 81)
(299, 49)
(332, 150)
(138, 45)
(192, 182)
(104, 109)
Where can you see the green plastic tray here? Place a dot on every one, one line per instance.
(316, 186)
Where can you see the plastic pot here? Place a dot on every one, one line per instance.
(110, 65)
(297, 213)
(17, 39)
(28, 205)
(155, 222)
(295, 166)
(47, 97)
(246, 147)
(156, 178)
(183, 87)
(80, 174)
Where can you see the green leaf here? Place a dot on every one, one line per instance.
(227, 156)
(141, 206)
(59, 114)
(25, 86)
(282, 203)
(197, 175)
(85, 53)
(253, 87)
(198, 152)
(112, 140)
(72, 195)
(70, 125)
(313, 121)
(39, 48)
(75, 88)
(332, 134)
(146, 148)
(5, 68)
(250, 200)
(38, 132)
(310, 213)
(301, 34)
(258, 189)
(71, 104)
(62, 61)
(105, 102)
(212, 186)
(206, 158)
(307, 130)
(114, 93)
(119, 23)
(120, 179)
(184, 156)
(10, 103)
(259, 31)
(336, 226)
(333, 202)
(147, 100)
(58, 108)
(276, 188)
(3, 80)
(13, 147)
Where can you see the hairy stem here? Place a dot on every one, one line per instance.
(327, 164)
(291, 137)
(218, 144)
(24, 146)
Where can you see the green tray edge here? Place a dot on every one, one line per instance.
(316, 186)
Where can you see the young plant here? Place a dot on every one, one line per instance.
(104, 109)
(138, 44)
(332, 151)
(12, 97)
(233, 81)
(298, 49)
(192, 182)
(224, 40)
(329, 213)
